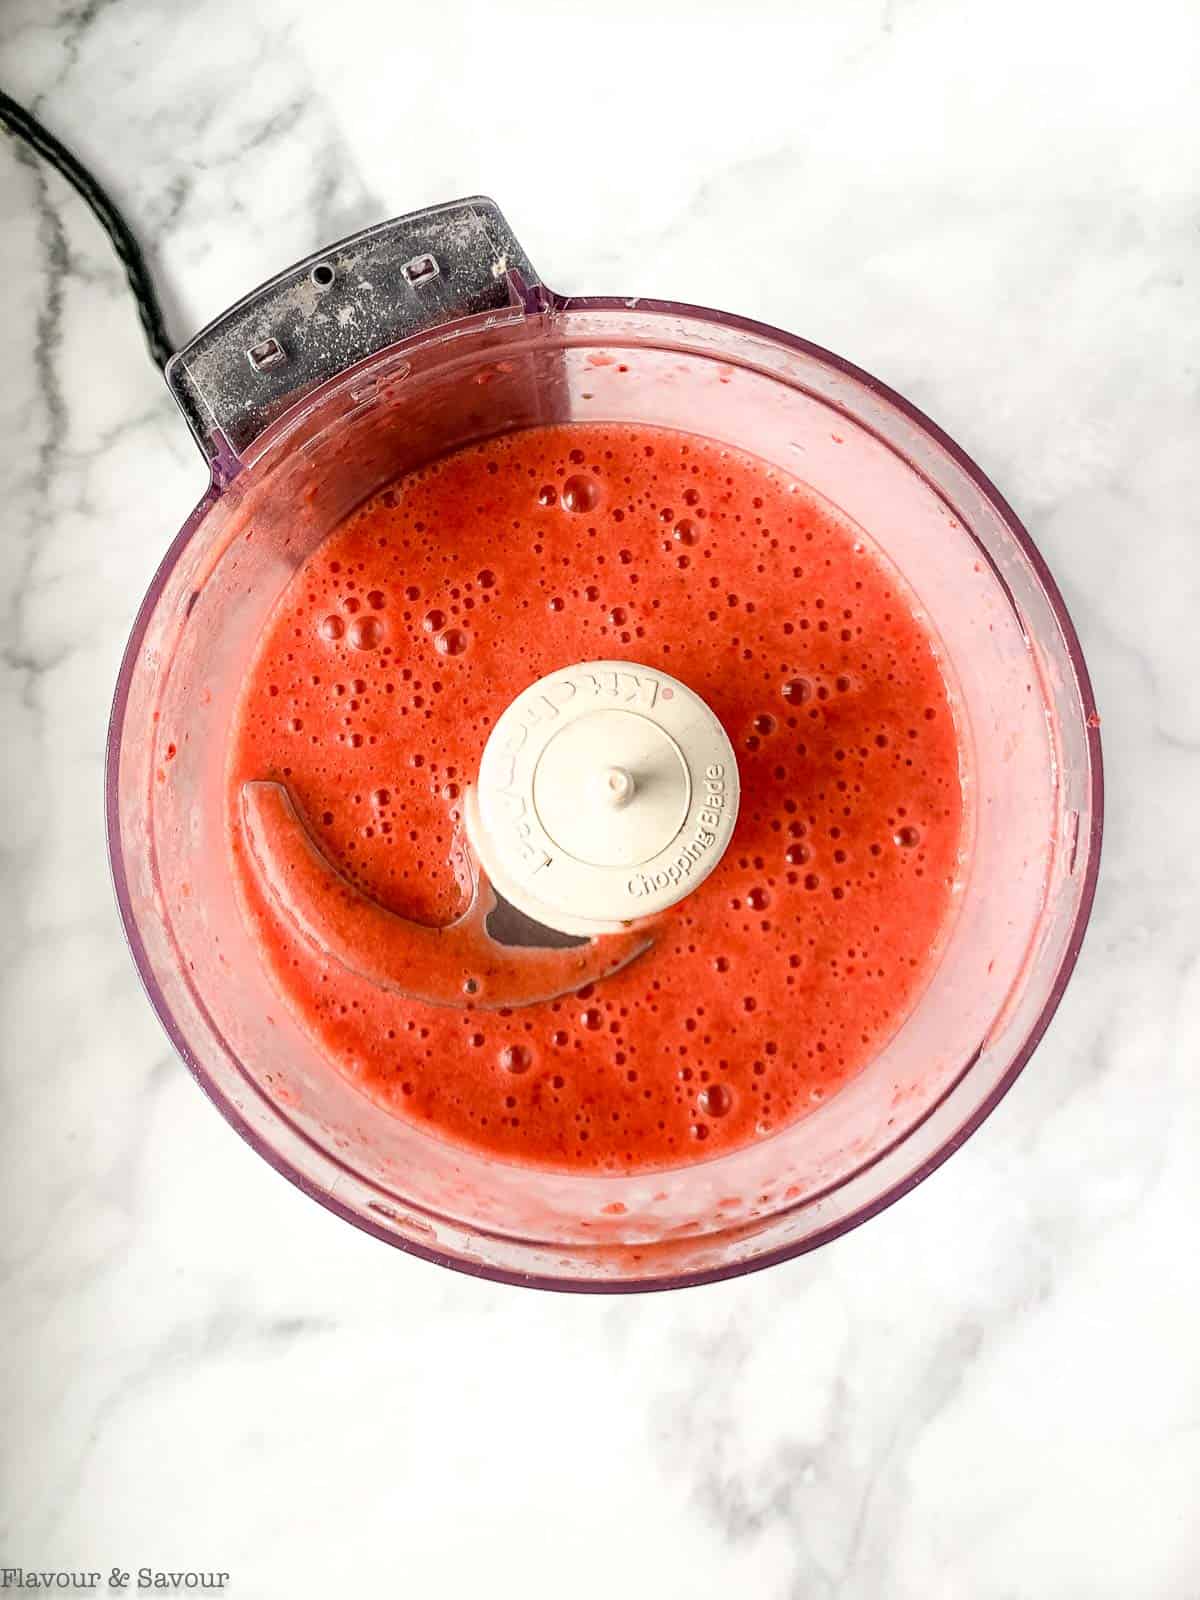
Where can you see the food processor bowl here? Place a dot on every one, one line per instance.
(432, 332)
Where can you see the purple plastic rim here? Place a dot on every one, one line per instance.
(540, 299)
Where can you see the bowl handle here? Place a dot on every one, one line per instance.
(339, 307)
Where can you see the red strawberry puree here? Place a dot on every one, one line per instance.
(391, 653)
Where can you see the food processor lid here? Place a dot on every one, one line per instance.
(607, 792)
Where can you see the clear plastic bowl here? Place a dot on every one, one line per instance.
(1034, 804)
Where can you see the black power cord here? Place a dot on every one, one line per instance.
(24, 125)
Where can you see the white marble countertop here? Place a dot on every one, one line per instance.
(991, 1390)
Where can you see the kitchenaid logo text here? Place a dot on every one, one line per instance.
(634, 689)
(691, 855)
(152, 1578)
